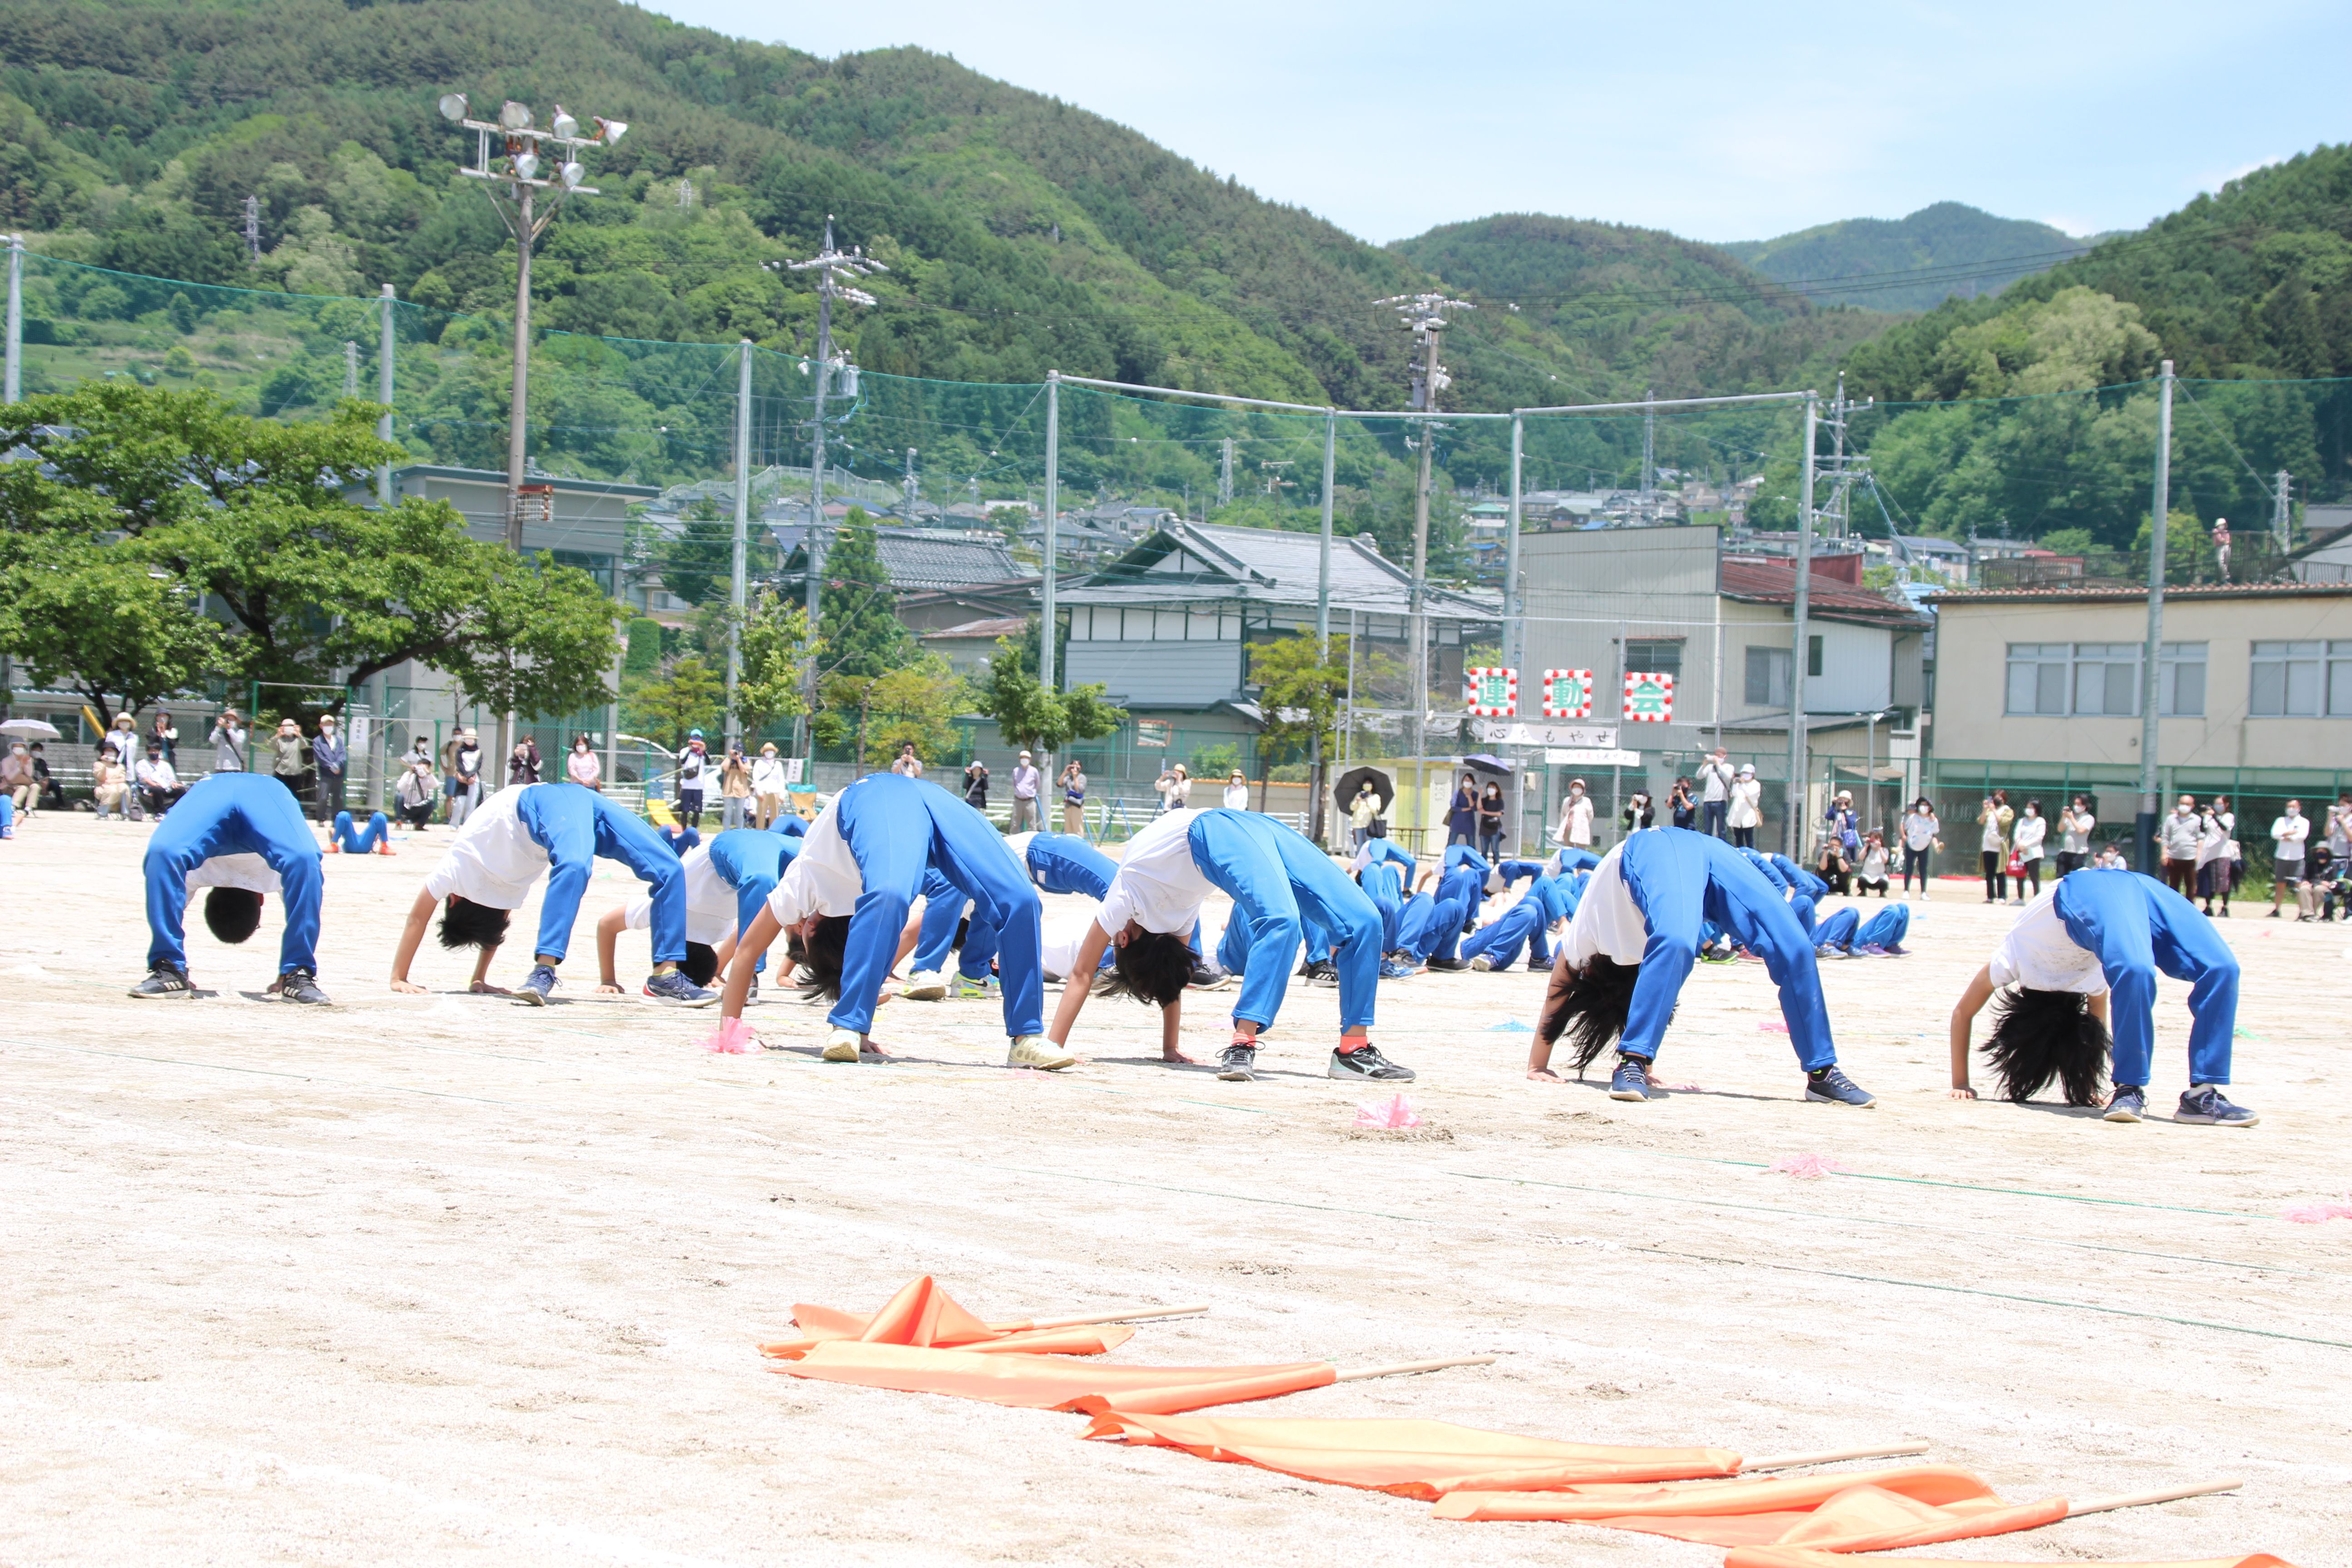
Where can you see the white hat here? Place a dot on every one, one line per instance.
(1748, 770)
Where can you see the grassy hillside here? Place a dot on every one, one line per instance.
(1948, 250)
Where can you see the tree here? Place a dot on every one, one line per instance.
(863, 633)
(1028, 715)
(698, 562)
(102, 624)
(776, 650)
(686, 695)
(1299, 691)
(914, 702)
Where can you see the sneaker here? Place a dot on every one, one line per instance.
(1238, 1063)
(1323, 973)
(384, 849)
(1447, 965)
(841, 1046)
(1826, 952)
(335, 849)
(2206, 1107)
(971, 990)
(1037, 1051)
(677, 988)
(926, 985)
(2274, 914)
(1209, 977)
(1895, 950)
(1395, 969)
(164, 980)
(1631, 1080)
(302, 985)
(2128, 1103)
(1365, 1062)
(1830, 1086)
(1482, 964)
(534, 992)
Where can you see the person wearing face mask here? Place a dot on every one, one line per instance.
(2027, 837)
(1919, 843)
(767, 785)
(2289, 833)
(734, 787)
(2217, 855)
(1747, 813)
(1576, 818)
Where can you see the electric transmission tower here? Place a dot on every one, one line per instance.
(1423, 315)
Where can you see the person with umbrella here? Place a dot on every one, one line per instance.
(1363, 794)
(20, 782)
(1280, 885)
(242, 835)
(1637, 932)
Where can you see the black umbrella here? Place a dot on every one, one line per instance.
(1487, 764)
(1352, 782)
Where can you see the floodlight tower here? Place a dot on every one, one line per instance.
(508, 157)
(834, 268)
(1423, 315)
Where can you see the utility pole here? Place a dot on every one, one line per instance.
(2282, 516)
(515, 178)
(383, 372)
(14, 375)
(1225, 473)
(907, 502)
(2151, 674)
(736, 579)
(350, 368)
(1649, 442)
(1046, 675)
(832, 266)
(253, 228)
(1424, 316)
(1802, 642)
(1315, 828)
(1513, 626)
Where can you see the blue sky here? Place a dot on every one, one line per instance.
(1716, 121)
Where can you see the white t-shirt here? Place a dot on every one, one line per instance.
(824, 877)
(1237, 797)
(2291, 832)
(1057, 947)
(2037, 954)
(1919, 832)
(2078, 841)
(1607, 922)
(2029, 833)
(1576, 821)
(709, 902)
(251, 872)
(494, 861)
(1157, 886)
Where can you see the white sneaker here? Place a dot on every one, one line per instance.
(1037, 1051)
(1483, 965)
(927, 985)
(841, 1046)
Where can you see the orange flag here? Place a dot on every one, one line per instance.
(923, 1314)
(1795, 1557)
(1866, 1510)
(1423, 1459)
(1048, 1381)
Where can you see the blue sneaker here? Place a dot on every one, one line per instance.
(1832, 1086)
(677, 988)
(1392, 970)
(534, 992)
(2128, 1103)
(1631, 1080)
(2205, 1106)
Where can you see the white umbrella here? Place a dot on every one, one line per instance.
(31, 729)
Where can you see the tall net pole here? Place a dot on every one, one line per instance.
(1801, 642)
(2160, 504)
(735, 580)
(384, 388)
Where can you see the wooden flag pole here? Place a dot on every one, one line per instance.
(2141, 1499)
(1403, 1367)
(1124, 1315)
(1831, 1456)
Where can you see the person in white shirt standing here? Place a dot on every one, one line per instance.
(1919, 843)
(2075, 825)
(1576, 817)
(1716, 776)
(1237, 791)
(2031, 833)
(768, 783)
(2289, 833)
(1025, 795)
(1747, 813)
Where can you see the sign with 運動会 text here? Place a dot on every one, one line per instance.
(1568, 694)
(1649, 698)
(1491, 692)
(1154, 733)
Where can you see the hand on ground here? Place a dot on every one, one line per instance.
(1961, 1093)
(408, 988)
(607, 988)
(1543, 1075)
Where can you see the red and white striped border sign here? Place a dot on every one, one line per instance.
(1476, 676)
(1662, 685)
(1579, 683)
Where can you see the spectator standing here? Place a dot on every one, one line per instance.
(330, 756)
(2217, 852)
(975, 785)
(693, 774)
(123, 742)
(2339, 829)
(1747, 810)
(412, 795)
(159, 787)
(2027, 837)
(1025, 780)
(1490, 823)
(18, 781)
(1682, 807)
(229, 737)
(2289, 833)
(1461, 814)
(287, 758)
(1237, 790)
(109, 786)
(1919, 843)
(581, 766)
(1839, 824)
(1638, 812)
(2075, 825)
(908, 764)
(1992, 848)
(522, 762)
(1716, 779)
(2178, 837)
(1362, 812)
(1074, 799)
(1175, 787)
(462, 759)
(166, 733)
(1576, 817)
(735, 786)
(768, 784)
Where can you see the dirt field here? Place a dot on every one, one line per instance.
(440, 1278)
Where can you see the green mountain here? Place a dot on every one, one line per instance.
(1910, 263)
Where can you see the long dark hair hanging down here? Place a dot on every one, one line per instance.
(2038, 1036)
(1589, 1005)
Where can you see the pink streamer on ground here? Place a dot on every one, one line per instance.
(1773, 1029)
(730, 1037)
(1805, 1167)
(2318, 1213)
(1395, 1113)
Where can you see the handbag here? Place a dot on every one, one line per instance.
(2016, 863)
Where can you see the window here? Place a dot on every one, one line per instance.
(2037, 676)
(1768, 677)
(2180, 674)
(2284, 682)
(1659, 655)
(1812, 656)
(2106, 677)
(2339, 680)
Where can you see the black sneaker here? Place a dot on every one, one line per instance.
(2128, 1103)
(302, 985)
(1366, 1062)
(1323, 973)
(1631, 1080)
(1830, 1086)
(1237, 1064)
(2207, 1107)
(1209, 977)
(1448, 964)
(164, 980)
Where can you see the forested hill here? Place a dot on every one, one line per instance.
(1949, 249)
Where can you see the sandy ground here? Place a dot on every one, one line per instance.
(440, 1278)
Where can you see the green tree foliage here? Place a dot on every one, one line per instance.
(685, 694)
(863, 634)
(1026, 714)
(1300, 688)
(776, 650)
(873, 715)
(97, 621)
(1859, 260)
